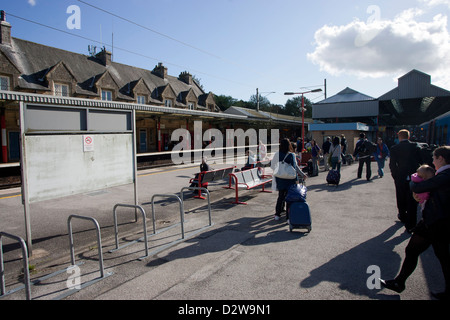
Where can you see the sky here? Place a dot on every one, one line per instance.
(238, 46)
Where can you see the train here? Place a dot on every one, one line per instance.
(436, 131)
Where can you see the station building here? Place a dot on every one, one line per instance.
(35, 73)
(414, 101)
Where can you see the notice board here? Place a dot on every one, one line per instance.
(57, 165)
(70, 150)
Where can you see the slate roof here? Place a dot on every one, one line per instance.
(264, 115)
(347, 95)
(34, 61)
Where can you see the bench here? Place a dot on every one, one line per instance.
(210, 176)
(249, 179)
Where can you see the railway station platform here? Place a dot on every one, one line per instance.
(243, 255)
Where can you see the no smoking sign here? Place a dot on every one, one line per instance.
(88, 143)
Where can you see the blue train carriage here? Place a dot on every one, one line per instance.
(436, 131)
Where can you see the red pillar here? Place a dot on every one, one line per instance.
(4, 140)
(159, 134)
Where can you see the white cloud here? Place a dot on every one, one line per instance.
(386, 47)
(32, 2)
(433, 3)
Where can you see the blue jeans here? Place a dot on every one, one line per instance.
(381, 163)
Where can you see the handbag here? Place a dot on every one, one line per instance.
(284, 170)
(296, 193)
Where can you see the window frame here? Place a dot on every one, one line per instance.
(61, 93)
(108, 94)
(8, 82)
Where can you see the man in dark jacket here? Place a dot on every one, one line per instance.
(363, 156)
(405, 159)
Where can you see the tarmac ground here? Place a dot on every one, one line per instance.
(245, 255)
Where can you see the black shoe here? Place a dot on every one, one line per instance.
(441, 295)
(392, 285)
(399, 217)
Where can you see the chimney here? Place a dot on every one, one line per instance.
(160, 71)
(5, 29)
(186, 77)
(104, 57)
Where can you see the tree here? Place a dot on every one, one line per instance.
(264, 103)
(198, 81)
(224, 102)
(293, 107)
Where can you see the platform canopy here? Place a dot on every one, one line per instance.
(414, 101)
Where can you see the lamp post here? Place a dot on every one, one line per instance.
(303, 110)
(257, 97)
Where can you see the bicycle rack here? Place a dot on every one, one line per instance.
(181, 210)
(116, 229)
(208, 196)
(26, 270)
(103, 275)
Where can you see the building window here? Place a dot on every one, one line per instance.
(4, 83)
(61, 90)
(106, 95)
(168, 103)
(191, 105)
(141, 99)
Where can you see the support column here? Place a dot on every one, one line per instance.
(3, 136)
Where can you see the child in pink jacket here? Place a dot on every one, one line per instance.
(423, 173)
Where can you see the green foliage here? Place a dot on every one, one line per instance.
(291, 108)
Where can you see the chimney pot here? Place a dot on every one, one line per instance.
(186, 77)
(104, 56)
(160, 70)
(5, 29)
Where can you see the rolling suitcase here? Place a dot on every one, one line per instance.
(308, 168)
(299, 216)
(333, 177)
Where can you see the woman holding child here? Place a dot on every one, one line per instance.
(434, 228)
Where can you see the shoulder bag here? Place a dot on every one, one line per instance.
(284, 170)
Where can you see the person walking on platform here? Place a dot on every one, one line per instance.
(405, 159)
(434, 227)
(286, 153)
(343, 148)
(380, 156)
(326, 150)
(336, 154)
(363, 156)
(315, 152)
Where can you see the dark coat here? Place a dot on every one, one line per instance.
(405, 159)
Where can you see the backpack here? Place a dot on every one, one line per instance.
(370, 146)
(367, 148)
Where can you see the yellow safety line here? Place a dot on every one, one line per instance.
(8, 197)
